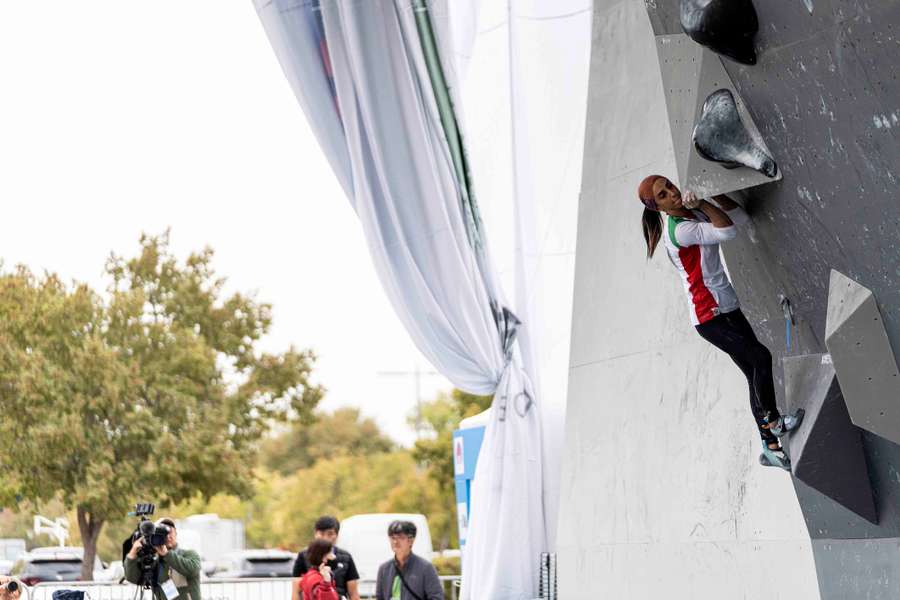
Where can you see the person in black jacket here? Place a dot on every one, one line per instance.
(346, 577)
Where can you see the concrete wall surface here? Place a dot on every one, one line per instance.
(661, 493)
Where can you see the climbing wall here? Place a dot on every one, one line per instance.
(660, 446)
(661, 493)
(826, 99)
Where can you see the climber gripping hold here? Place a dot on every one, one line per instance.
(693, 229)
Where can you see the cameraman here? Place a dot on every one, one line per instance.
(5, 593)
(178, 571)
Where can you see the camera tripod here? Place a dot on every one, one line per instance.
(148, 577)
(140, 591)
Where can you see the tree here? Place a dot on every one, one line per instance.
(338, 486)
(442, 416)
(155, 391)
(341, 433)
(348, 485)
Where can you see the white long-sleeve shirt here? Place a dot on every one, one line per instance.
(693, 247)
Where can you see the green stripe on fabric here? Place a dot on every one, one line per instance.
(448, 118)
(673, 222)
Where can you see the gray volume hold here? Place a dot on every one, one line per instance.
(827, 450)
(721, 136)
(863, 358)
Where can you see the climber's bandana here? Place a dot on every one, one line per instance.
(650, 203)
(645, 192)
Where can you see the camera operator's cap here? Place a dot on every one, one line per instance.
(407, 528)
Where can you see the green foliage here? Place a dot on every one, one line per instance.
(341, 433)
(442, 416)
(155, 391)
(448, 565)
(347, 485)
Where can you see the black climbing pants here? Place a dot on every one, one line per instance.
(731, 333)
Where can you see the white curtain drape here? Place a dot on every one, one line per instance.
(360, 74)
(524, 91)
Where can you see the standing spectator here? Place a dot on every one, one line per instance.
(318, 582)
(407, 576)
(346, 577)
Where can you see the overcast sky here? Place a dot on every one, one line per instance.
(120, 117)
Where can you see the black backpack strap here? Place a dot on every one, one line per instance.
(403, 581)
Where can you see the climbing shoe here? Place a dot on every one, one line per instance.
(787, 423)
(774, 458)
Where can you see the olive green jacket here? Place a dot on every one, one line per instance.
(182, 566)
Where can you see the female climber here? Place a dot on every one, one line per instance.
(692, 233)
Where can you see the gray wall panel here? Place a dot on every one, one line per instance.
(825, 96)
(647, 512)
(851, 569)
(661, 492)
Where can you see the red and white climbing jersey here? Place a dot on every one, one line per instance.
(693, 247)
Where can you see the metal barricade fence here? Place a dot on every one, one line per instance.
(271, 588)
(450, 583)
(274, 588)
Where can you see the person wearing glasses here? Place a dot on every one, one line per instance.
(406, 576)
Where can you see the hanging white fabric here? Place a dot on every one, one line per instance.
(524, 94)
(384, 137)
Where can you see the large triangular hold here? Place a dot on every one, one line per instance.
(826, 451)
(863, 358)
(690, 73)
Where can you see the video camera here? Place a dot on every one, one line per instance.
(151, 535)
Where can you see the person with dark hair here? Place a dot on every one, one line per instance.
(407, 576)
(178, 569)
(346, 577)
(318, 582)
(693, 231)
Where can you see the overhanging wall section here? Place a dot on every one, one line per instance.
(661, 494)
(826, 98)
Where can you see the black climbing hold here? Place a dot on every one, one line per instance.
(726, 27)
(721, 136)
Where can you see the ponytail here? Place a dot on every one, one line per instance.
(652, 225)
(651, 222)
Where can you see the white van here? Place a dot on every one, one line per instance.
(366, 538)
(211, 537)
